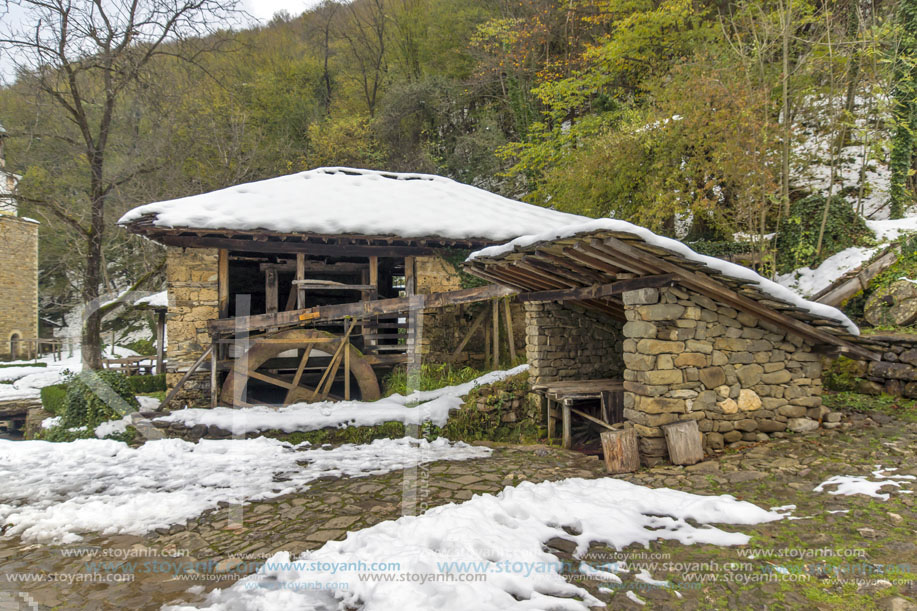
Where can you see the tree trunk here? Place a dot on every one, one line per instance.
(92, 321)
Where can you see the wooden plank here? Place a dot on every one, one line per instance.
(510, 336)
(600, 290)
(621, 452)
(359, 309)
(298, 376)
(839, 292)
(329, 285)
(223, 282)
(331, 372)
(592, 419)
(684, 442)
(214, 378)
(300, 275)
(271, 291)
(704, 284)
(266, 378)
(160, 342)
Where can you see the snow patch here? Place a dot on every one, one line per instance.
(857, 484)
(54, 491)
(501, 536)
(416, 408)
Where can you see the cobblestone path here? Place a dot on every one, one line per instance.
(222, 545)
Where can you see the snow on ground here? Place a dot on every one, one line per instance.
(416, 408)
(732, 270)
(500, 536)
(53, 491)
(859, 484)
(807, 281)
(366, 202)
(28, 381)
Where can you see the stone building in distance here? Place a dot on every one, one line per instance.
(18, 269)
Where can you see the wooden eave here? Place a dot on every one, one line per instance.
(266, 241)
(601, 256)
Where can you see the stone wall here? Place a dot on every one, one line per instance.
(895, 374)
(18, 281)
(566, 342)
(444, 328)
(192, 280)
(689, 357)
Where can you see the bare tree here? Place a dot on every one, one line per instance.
(85, 56)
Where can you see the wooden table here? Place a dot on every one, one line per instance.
(565, 393)
(131, 365)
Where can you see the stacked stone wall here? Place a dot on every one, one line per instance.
(895, 374)
(566, 342)
(18, 281)
(689, 357)
(192, 280)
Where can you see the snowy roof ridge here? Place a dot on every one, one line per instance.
(768, 288)
(353, 201)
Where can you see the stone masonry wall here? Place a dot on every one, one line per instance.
(565, 342)
(192, 280)
(18, 281)
(689, 357)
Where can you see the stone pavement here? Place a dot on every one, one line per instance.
(779, 472)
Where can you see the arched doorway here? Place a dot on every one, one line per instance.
(15, 340)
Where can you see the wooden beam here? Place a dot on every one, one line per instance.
(359, 309)
(271, 291)
(300, 275)
(309, 248)
(298, 376)
(410, 282)
(496, 331)
(160, 341)
(600, 290)
(185, 377)
(223, 282)
(475, 325)
(703, 284)
(510, 336)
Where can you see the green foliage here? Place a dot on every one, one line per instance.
(904, 108)
(431, 377)
(842, 374)
(456, 257)
(141, 385)
(143, 347)
(96, 397)
(54, 398)
(720, 248)
(899, 407)
(798, 236)
(37, 364)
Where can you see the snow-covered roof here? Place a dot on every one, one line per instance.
(346, 201)
(156, 300)
(739, 278)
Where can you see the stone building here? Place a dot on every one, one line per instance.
(324, 239)
(690, 337)
(18, 270)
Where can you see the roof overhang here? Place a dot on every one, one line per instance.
(599, 256)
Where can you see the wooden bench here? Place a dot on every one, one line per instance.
(562, 395)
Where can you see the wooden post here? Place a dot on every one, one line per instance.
(684, 442)
(160, 341)
(510, 337)
(496, 332)
(300, 275)
(271, 295)
(552, 420)
(409, 280)
(223, 282)
(567, 442)
(347, 371)
(488, 332)
(620, 449)
(214, 371)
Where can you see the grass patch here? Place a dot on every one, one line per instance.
(897, 407)
(54, 398)
(7, 365)
(431, 377)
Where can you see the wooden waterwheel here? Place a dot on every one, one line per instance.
(295, 380)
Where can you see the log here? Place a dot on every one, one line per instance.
(620, 449)
(684, 442)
